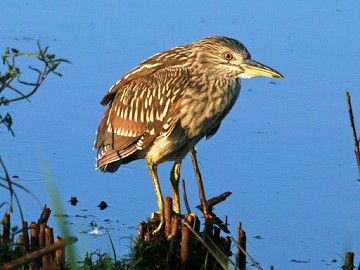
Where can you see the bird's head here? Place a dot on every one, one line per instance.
(227, 57)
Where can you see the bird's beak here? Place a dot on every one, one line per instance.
(254, 69)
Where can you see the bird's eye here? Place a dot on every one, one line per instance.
(228, 56)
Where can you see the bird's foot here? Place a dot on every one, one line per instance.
(182, 216)
(193, 215)
(158, 216)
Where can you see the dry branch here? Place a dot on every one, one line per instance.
(37, 247)
(185, 196)
(34, 255)
(352, 124)
(200, 183)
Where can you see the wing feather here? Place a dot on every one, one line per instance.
(139, 112)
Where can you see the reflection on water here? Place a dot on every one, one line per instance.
(285, 150)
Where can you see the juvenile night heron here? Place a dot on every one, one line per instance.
(162, 108)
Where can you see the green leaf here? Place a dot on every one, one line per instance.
(49, 65)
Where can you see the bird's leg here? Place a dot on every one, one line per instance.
(175, 179)
(154, 177)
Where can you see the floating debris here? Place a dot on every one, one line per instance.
(95, 232)
(83, 216)
(62, 215)
(73, 201)
(93, 223)
(299, 261)
(103, 205)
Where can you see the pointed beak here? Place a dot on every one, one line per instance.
(254, 69)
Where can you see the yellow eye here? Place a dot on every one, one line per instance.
(228, 56)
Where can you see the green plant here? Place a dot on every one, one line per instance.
(102, 261)
(13, 89)
(9, 249)
(10, 79)
(10, 92)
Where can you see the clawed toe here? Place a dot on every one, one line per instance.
(158, 216)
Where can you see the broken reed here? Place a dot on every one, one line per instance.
(353, 129)
(37, 247)
(185, 246)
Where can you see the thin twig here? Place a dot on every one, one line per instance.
(199, 182)
(50, 66)
(218, 199)
(185, 197)
(352, 124)
(24, 189)
(211, 215)
(13, 194)
(8, 180)
(40, 80)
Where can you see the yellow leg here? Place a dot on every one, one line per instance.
(175, 179)
(154, 177)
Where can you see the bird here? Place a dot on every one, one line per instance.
(159, 110)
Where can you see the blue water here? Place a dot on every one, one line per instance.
(285, 150)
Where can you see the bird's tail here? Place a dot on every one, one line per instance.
(108, 160)
(109, 167)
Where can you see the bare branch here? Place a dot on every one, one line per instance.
(352, 124)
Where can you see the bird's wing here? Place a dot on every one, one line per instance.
(140, 71)
(170, 58)
(212, 132)
(139, 112)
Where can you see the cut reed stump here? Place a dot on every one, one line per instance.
(181, 244)
(37, 249)
(349, 261)
(240, 254)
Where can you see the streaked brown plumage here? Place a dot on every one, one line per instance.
(160, 109)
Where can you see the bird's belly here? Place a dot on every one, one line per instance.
(199, 115)
(173, 147)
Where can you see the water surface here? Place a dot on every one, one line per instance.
(285, 150)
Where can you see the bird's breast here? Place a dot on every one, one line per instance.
(203, 107)
(201, 110)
